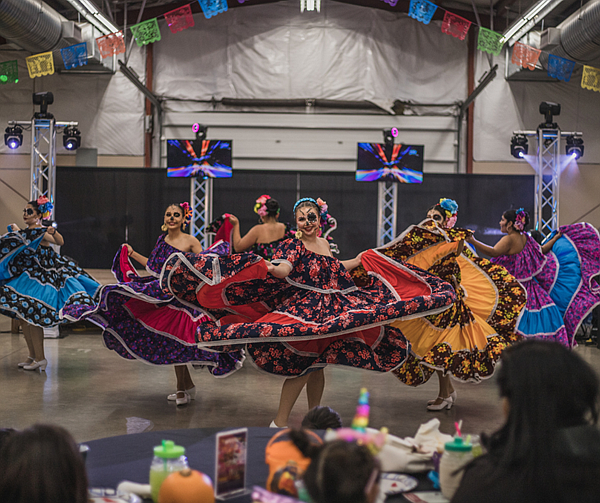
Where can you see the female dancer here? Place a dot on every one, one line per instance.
(262, 239)
(140, 321)
(561, 284)
(308, 312)
(36, 282)
(466, 341)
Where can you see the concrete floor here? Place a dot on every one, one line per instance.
(94, 393)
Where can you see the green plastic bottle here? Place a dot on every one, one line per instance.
(168, 458)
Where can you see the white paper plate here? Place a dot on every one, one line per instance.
(395, 483)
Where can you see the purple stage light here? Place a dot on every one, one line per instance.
(395, 132)
(196, 127)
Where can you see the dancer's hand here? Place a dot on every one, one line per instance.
(129, 250)
(280, 270)
(234, 220)
(14, 227)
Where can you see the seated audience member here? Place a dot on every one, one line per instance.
(322, 417)
(549, 447)
(42, 464)
(339, 471)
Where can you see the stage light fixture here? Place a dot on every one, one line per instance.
(389, 135)
(574, 146)
(43, 100)
(71, 138)
(13, 137)
(549, 110)
(519, 146)
(200, 131)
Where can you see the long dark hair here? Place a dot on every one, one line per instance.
(42, 464)
(548, 388)
(339, 471)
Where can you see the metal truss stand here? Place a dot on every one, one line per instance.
(547, 181)
(201, 195)
(387, 200)
(43, 156)
(43, 159)
(547, 176)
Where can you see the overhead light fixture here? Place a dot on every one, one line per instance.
(13, 137)
(71, 138)
(200, 130)
(527, 21)
(549, 110)
(43, 99)
(519, 146)
(389, 135)
(574, 146)
(90, 12)
(310, 5)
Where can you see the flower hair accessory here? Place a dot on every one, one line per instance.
(520, 219)
(450, 208)
(187, 213)
(322, 205)
(45, 207)
(261, 205)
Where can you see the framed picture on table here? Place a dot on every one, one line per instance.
(231, 456)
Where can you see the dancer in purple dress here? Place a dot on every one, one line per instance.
(140, 321)
(572, 278)
(562, 286)
(308, 313)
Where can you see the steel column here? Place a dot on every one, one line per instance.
(201, 195)
(387, 201)
(43, 159)
(547, 181)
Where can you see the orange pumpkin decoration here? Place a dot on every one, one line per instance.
(187, 486)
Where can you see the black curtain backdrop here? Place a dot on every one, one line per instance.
(97, 209)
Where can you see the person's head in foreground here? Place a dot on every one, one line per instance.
(322, 417)
(549, 447)
(42, 464)
(339, 471)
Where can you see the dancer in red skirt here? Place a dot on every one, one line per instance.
(308, 312)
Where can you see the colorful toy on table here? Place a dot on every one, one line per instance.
(358, 432)
(361, 418)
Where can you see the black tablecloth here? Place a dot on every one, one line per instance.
(128, 457)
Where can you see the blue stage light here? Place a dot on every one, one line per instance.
(574, 146)
(519, 146)
(71, 138)
(13, 137)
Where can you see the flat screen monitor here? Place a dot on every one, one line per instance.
(202, 158)
(395, 163)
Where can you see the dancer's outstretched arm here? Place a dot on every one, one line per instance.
(53, 236)
(279, 270)
(502, 247)
(136, 256)
(548, 246)
(353, 263)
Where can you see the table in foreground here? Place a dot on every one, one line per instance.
(128, 457)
